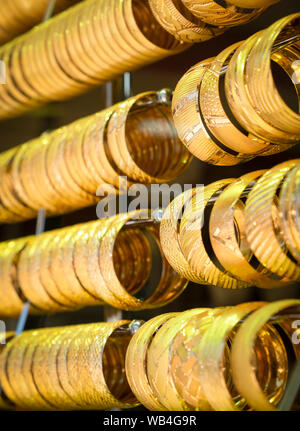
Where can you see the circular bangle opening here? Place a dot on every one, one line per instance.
(161, 154)
(115, 353)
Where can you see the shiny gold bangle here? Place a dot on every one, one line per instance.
(11, 300)
(289, 211)
(192, 243)
(137, 161)
(190, 124)
(5, 403)
(264, 227)
(170, 286)
(137, 359)
(225, 15)
(178, 21)
(243, 372)
(184, 361)
(228, 237)
(169, 237)
(158, 361)
(215, 118)
(261, 102)
(210, 353)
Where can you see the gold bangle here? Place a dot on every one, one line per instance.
(225, 15)
(174, 17)
(228, 237)
(169, 237)
(158, 361)
(170, 286)
(192, 243)
(210, 353)
(137, 359)
(191, 127)
(243, 373)
(260, 103)
(184, 361)
(289, 211)
(264, 227)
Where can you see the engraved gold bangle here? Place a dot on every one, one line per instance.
(264, 226)
(137, 359)
(243, 372)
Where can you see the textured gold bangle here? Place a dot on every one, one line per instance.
(170, 286)
(261, 102)
(225, 14)
(190, 123)
(184, 361)
(264, 227)
(158, 361)
(289, 211)
(192, 243)
(243, 373)
(178, 21)
(137, 359)
(228, 237)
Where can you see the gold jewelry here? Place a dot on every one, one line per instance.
(243, 372)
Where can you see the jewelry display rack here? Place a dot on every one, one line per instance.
(117, 91)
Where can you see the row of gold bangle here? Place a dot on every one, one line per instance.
(253, 230)
(106, 261)
(19, 16)
(227, 109)
(69, 368)
(78, 49)
(228, 358)
(76, 165)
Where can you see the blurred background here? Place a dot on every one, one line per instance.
(164, 74)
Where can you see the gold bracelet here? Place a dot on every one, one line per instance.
(137, 359)
(225, 15)
(243, 373)
(264, 226)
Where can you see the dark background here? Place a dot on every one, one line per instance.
(163, 74)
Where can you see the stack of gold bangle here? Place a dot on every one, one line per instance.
(78, 49)
(199, 20)
(19, 16)
(232, 358)
(71, 368)
(88, 264)
(74, 166)
(251, 119)
(253, 230)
